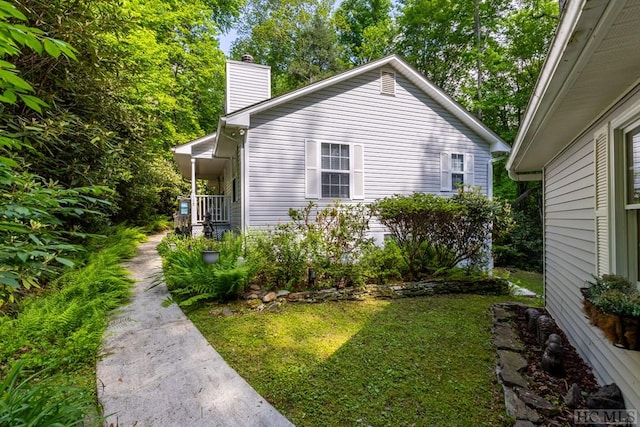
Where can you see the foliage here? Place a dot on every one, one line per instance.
(614, 295)
(289, 36)
(365, 29)
(384, 264)
(438, 233)
(330, 241)
(34, 243)
(30, 402)
(60, 331)
(191, 280)
(372, 363)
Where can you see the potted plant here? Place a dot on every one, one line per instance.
(612, 303)
(210, 255)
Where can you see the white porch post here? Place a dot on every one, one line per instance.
(194, 215)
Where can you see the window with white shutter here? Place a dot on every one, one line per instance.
(334, 170)
(456, 169)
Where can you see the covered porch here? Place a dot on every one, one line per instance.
(198, 212)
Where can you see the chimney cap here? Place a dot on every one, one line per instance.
(247, 58)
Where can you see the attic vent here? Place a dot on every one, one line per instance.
(388, 82)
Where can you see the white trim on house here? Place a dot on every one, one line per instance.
(314, 170)
(447, 170)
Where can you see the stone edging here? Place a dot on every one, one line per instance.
(525, 406)
(490, 286)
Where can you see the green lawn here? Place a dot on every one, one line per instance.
(409, 362)
(527, 279)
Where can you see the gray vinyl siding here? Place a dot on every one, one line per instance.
(402, 135)
(570, 261)
(247, 84)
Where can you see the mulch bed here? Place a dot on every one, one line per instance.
(545, 385)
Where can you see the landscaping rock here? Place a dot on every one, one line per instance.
(545, 327)
(573, 396)
(511, 378)
(226, 312)
(282, 293)
(254, 287)
(606, 397)
(512, 360)
(298, 296)
(252, 296)
(254, 303)
(536, 402)
(505, 338)
(269, 297)
(522, 423)
(517, 409)
(502, 314)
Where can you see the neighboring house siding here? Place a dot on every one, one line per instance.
(402, 135)
(570, 261)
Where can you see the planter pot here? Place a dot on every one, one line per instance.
(622, 331)
(210, 257)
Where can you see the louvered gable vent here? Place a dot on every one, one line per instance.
(388, 82)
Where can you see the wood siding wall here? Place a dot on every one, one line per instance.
(570, 261)
(402, 135)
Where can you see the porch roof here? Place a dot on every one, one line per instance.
(201, 150)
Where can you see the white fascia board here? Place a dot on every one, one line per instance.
(186, 148)
(565, 62)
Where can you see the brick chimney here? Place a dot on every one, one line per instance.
(247, 83)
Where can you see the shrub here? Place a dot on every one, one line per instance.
(614, 295)
(384, 264)
(436, 233)
(331, 241)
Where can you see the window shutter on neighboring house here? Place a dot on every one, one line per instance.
(601, 149)
(358, 172)
(468, 170)
(445, 172)
(312, 183)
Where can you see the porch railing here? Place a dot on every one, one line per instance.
(217, 206)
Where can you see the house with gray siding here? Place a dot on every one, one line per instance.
(374, 131)
(581, 137)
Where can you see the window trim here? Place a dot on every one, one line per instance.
(314, 170)
(447, 172)
(623, 250)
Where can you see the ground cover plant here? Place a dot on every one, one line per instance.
(418, 361)
(53, 338)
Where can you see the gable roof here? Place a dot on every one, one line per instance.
(593, 62)
(241, 118)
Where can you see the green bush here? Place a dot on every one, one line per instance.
(191, 280)
(436, 233)
(384, 264)
(615, 295)
(330, 241)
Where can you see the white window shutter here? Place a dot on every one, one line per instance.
(358, 172)
(601, 150)
(445, 172)
(468, 170)
(312, 170)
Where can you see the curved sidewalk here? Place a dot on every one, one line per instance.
(156, 368)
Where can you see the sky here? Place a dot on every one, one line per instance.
(226, 40)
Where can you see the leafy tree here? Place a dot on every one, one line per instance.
(276, 32)
(365, 29)
(33, 241)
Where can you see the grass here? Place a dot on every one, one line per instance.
(527, 279)
(406, 362)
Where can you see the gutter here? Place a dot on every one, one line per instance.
(525, 176)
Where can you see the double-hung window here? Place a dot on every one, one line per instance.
(456, 169)
(334, 170)
(632, 202)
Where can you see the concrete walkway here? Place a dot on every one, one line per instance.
(156, 369)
